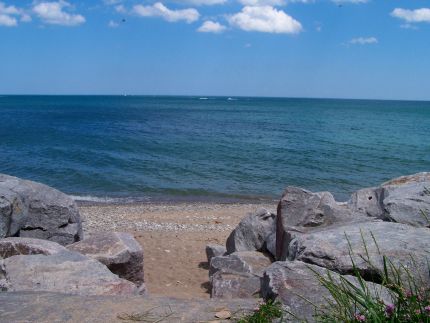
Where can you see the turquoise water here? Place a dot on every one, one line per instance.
(151, 147)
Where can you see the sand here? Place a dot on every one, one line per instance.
(174, 237)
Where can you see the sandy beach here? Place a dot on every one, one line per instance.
(174, 236)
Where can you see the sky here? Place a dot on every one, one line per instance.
(368, 49)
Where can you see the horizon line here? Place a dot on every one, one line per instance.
(225, 96)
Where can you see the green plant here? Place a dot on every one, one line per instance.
(404, 300)
(265, 313)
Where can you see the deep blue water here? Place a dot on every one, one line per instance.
(141, 146)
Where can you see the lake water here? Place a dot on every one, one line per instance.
(155, 147)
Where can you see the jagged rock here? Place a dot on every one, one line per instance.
(401, 244)
(252, 232)
(33, 210)
(238, 274)
(63, 272)
(27, 246)
(120, 252)
(296, 284)
(53, 307)
(214, 250)
(301, 211)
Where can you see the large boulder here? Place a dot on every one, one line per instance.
(404, 200)
(408, 203)
(33, 210)
(301, 211)
(297, 286)
(238, 274)
(119, 251)
(339, 247)
(65, 272)
(252, 232)
(27, 246)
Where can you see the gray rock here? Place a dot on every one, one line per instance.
(33, 210)
(368, 201)
(403, 245)
(53, 307)
(301, 211)
(252, 232)
(251, 262)
(414, 178)
(296, 285)
(408, 203)
(214, 250)
(235, 285)
(271, 244)
(120, 252)
(27, 246)
(65, 272)
(238, 274)
(404, 200)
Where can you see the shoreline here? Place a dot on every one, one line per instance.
(169, 200)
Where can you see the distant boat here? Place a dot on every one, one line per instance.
(231, 99)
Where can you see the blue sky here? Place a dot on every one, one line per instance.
(290, 48)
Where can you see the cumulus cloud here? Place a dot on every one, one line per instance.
(159, 10)
(9, 15)
(265, 19)
(349, 1)
(205, 2)
(363, 41)
(54, 13)
(262, 2)
(211, 27)
(411, 16)
(112, 2)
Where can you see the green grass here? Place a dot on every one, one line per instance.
(265, 313)
(407, 299)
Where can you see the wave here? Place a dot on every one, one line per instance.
(108, 200)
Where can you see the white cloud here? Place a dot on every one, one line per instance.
(113, 24)
(363, 41)
(9, 15)
(262, 2)
(120, 9)
(349, 1)
(159, 10)
(265, 19)
(211, 27)
(205, 2)
(411, 16)
(8, 21)
(112, 2)
(53, 13)
(408, 26)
